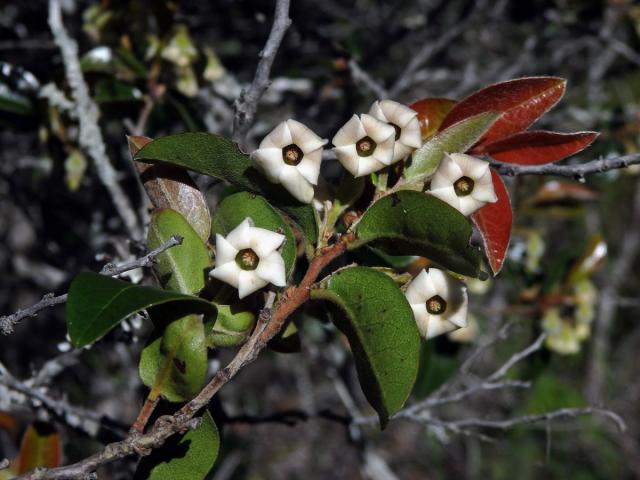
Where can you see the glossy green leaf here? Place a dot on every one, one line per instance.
(13, 102)
(379, 323)
(182, 268)
(221, 158)
(187, 457)
(415, 223)
(232, 326)
(98, 303)
(114, 91)
(233, 209)
(174, 363)
(458, 138)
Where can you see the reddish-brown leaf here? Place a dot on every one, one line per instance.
(494, 224)
(538, 147)
(172, 187)
(8, 422)
(41, 447)
(521, 102)
(431, 112)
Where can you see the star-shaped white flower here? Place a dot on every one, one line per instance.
(464, 182)
(405, 122)
(291, 155)
(364, 145)
(248, 258)
(439, 302)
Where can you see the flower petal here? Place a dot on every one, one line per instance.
(368, 165)
(279, 137)
(440, 283)
(397, 113)
(228, 273)
(411, 136)
(350, 132)
(270, 162)
(471, 166)
(420, 289)
(296, 184)
(264, 242)
(249, 282)
(384, 151)
(459, 316)
(348, 157)
(448, 172)
(447, 194)
(309, 167)
(225, 252)
(484, 193)
(379, 131)
(421, 317)
(240, 237)
(376, 111)
(400, 151)
(304, 137)
(468, 205)
(438, 326)
(271, 269)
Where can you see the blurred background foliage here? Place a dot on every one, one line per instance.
(160, 67)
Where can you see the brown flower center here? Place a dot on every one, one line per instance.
(292, 155)
(436, 305)
(247, 259)
(463, 186)
(397, 129)
(366, 146)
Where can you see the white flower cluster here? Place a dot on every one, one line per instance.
(291, 154)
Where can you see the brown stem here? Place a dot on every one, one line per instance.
(145, 413)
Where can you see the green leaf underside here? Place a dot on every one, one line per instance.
(187, 457)
(233, 325)
(458, 138)
(233, 209)
(384, 339)
(97, 303)
(181, 268)
(219, 157)
(174, 364)
(415, 223)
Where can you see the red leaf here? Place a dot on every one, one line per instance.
(494, 223)
(431, 112)
(538, 147)
(521, 101)
(41, 447)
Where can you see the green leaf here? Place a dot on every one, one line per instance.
(232, 326)
(98, 303)
(414, 223)
(181, 268)
(13, 102)
(174, 365)
(458, 138)
(114, 91)
(219, 157)
(187, 457)
(379, 324)
(233, 209)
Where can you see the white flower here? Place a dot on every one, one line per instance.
(464, 182)
(248, 258)
(291, 155)
(364, 144)
(439, 302)
(405, 122)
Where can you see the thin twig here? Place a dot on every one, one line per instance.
(577, 171)
(363, 78)
(90, 136)
(247, 104)
(270, 322)
(8, 322)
